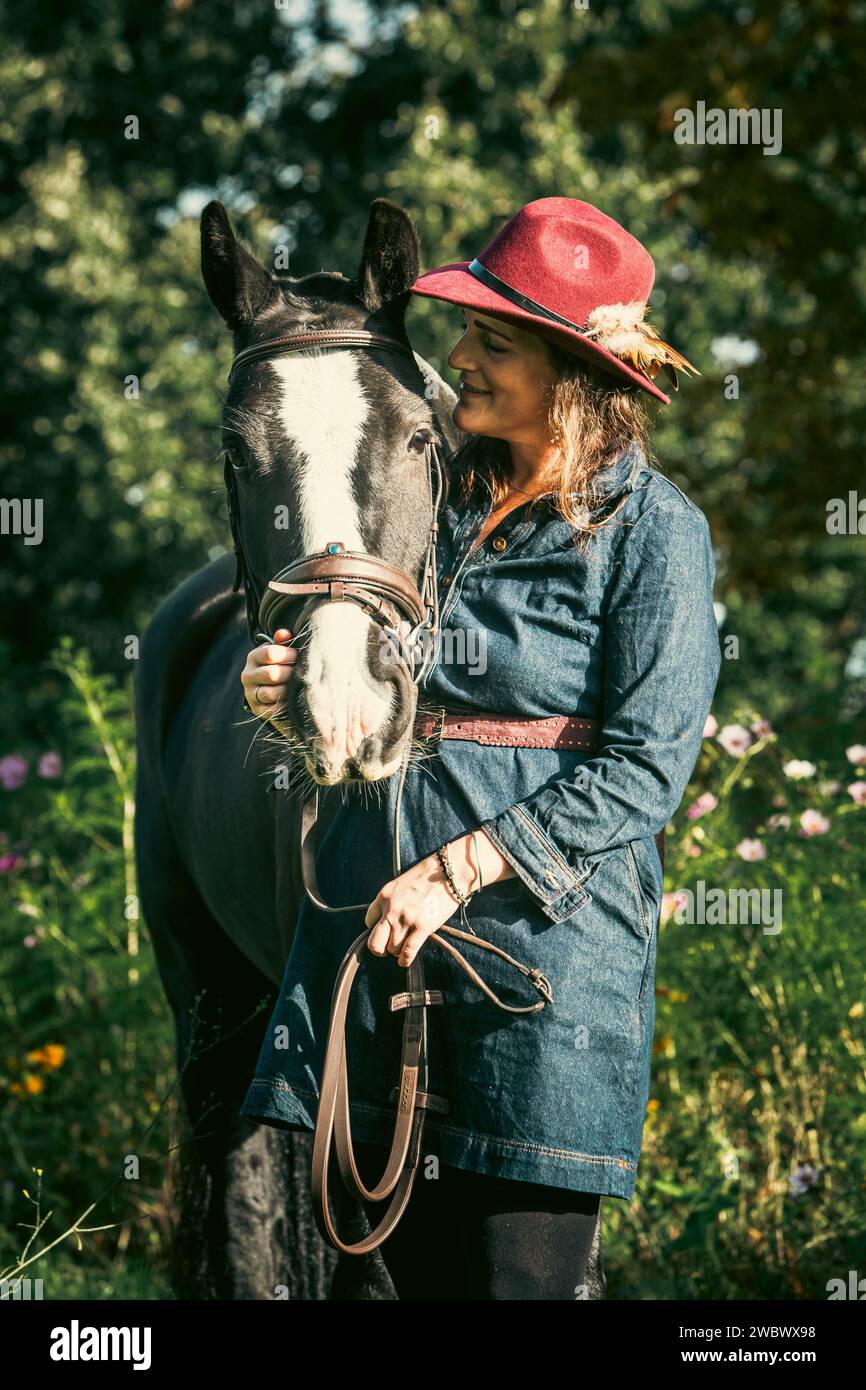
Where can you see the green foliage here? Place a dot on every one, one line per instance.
(87, 1077)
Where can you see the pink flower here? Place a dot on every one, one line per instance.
(751, 850)
(813, 823)
(50, 765)
(706, 802)
(735, 739)
(778, 822)
(693, 851)
(856, 753)
(762, 727)
(30, 942)
(10, 862)
(857, 791)
(13, 771)
(670, 903)
(710, 727)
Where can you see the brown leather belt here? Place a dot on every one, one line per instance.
(509, 731)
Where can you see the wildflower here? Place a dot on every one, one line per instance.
(10, 862)
(856, 753)
(670, 902)
(779, 822)
(50, 765)
(829, 788)
(706, 802)
(813, 823)
(751, 850)
(802, 1179)
(13, 771)
(798, 768)
(30, 941)
(693, 851)
(52, 1056)
(857, 792)
(856, 1010)
(710, 727)
(31, 1086)
(761, 728)
(735, 739)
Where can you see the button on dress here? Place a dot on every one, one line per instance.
(622, 632)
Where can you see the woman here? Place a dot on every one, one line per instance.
(589, 578)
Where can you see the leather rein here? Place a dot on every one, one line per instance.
(386, 593)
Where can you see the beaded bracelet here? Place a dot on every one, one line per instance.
(462, 898)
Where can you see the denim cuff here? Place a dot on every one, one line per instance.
(536, 860)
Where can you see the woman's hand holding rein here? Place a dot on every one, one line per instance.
(419, 901)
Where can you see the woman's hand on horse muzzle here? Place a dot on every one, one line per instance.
(265, 678)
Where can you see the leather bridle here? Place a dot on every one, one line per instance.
(334, 574)
(385, 592)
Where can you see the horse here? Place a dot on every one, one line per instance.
(319, 446)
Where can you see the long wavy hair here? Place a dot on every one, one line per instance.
(592, 418)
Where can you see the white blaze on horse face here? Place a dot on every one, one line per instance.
(323, 412)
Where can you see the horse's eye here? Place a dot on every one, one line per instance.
(236, 459)
(419, 441)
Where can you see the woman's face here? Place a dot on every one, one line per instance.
(505, 375)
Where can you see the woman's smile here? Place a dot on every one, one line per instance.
(465, 389)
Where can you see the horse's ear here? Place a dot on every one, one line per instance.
(390, 259)
(239, 287)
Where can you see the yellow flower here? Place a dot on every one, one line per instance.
(33, 1084)
(664, 1046)
(676, 996)
(856, 1010)
(652, 1106)
(52, 1056)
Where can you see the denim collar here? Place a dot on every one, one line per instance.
(621, 475)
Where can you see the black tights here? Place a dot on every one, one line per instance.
(472, 1236)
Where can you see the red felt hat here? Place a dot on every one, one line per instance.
(568, 272)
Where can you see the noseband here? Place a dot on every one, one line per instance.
(387, 593)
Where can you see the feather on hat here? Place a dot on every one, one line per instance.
(622, 330)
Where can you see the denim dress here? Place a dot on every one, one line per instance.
(621, 631)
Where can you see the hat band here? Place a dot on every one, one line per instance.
(522, 301)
